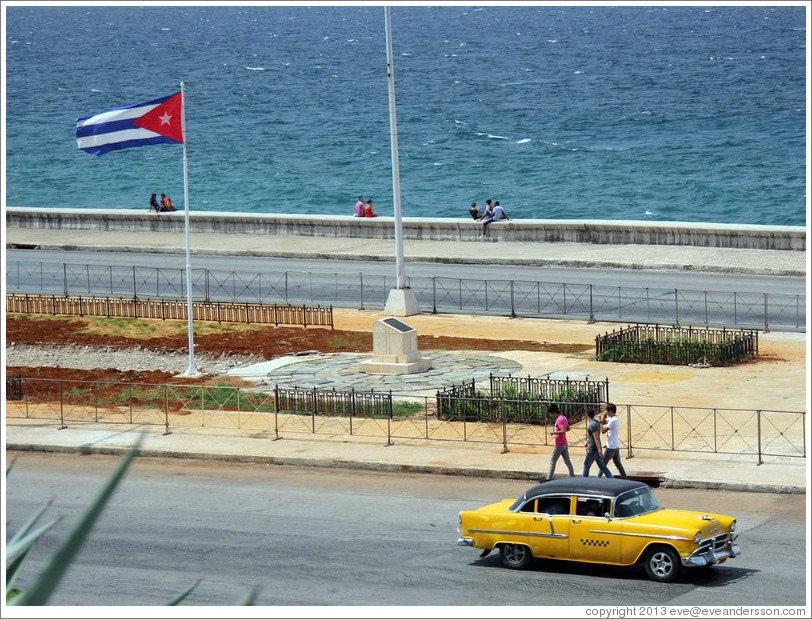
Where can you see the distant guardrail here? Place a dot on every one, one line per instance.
(162, 309)
(530, 299)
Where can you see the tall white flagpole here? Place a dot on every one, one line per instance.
(401, 300)
(393, 132)
(191, 370)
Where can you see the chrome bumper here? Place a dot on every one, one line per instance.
(463, 541)
(712, 557)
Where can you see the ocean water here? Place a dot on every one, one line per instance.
(660, 113)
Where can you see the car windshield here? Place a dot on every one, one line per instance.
(635, 502)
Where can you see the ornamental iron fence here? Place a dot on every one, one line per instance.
(516, 399)
(676, 345)
(162, 309)
(14, 387)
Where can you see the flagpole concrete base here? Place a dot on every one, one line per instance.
(191, 372)
(401, 302)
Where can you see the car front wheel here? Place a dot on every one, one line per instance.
(662, 564)
(516, 556)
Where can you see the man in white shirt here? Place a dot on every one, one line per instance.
(610, 425)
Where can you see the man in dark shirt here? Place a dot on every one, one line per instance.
(594, 452)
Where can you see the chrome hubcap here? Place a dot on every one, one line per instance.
(514, 554)
(661, 564)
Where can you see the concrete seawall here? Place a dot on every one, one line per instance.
(417, 228)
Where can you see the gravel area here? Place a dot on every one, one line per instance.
(124, 359)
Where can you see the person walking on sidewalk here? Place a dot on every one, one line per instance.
(562, 426)
(610, 426)
(594, 453)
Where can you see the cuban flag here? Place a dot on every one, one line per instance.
(152, 122)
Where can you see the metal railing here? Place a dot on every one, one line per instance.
(590, 302)
(162, 309)
(760, 433)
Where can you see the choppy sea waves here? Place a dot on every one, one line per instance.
(680, 113)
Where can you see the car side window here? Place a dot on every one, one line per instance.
(554, 505)
(530, 506)
(589, 506)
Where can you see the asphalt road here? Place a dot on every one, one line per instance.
(311, 537)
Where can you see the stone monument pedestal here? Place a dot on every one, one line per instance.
(394, 350)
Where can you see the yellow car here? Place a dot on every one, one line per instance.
(599, 520)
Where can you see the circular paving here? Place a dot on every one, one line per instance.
(341, 371)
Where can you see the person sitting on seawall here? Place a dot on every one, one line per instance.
(166, 204)
(474, 211)
(488, 211)
(498, 214)
(153, 204)
(368, 210)
(359, 207)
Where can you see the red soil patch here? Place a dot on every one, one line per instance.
(268, 342)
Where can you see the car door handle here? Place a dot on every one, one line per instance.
(576, 521)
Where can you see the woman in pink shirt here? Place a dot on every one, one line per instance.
(562, 426)
(359, 207)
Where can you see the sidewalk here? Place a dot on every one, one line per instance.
(592, 255)
(673, 469)
(778, 381)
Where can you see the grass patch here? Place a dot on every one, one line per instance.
(344, 341)
(406, 409)
(137, 328)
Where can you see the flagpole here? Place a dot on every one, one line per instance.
(401, 300)
(191, 370)
(393, 132)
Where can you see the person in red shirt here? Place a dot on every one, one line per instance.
(166, 204)
(368, 210)
(562, 426)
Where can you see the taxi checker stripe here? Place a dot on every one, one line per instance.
(594, 542)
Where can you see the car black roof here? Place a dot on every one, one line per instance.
(597, 486)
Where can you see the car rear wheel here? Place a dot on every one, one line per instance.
(516, 556)
(662, 564)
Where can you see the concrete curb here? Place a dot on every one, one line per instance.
(386, 467)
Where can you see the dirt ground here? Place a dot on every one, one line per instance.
(267, 341)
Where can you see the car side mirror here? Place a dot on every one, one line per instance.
(607, 516)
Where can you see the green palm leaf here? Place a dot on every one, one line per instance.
(52, 574)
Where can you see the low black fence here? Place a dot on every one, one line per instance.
(332, 402)
(257, 313)
(14, 387)
(515, 399)
(676, 345)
